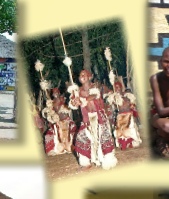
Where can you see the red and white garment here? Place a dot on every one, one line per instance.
(94, 142)
(59, 137)
(126, 132)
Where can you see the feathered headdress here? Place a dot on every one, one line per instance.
(112, 77)
(115, 98)
(39, 66)
(108, 54)
(67, 61)
(44, 84)
(131, 97)
(72, 88)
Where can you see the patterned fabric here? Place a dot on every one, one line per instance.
(125, 143)
(49, 141)
(83, 142)
(61, 141)
(93, 141)
(126, 131)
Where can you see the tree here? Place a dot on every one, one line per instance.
(86, 48)
(8, 16)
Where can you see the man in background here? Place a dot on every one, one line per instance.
(160, 121)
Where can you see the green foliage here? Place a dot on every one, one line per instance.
(49, 50)
(8, 16)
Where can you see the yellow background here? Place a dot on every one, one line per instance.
(37, 17)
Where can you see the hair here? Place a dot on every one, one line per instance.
(55, 90)
(89, 74)
(118, 83)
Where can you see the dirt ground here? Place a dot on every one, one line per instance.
(3, 196)
(65, 166)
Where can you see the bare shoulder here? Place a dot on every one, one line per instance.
(154, 83)
(153, 78)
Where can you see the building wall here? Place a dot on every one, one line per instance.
(7, 73)
(158, 33)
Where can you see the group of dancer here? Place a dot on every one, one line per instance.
(94, 120)
(108, 120)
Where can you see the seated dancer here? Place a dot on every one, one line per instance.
(94, 142)
(59, 136)
(160, 121)
(51, 140)
(55, 93)
(133, 106)
(76, 114)
(126, 131)
(67, 126)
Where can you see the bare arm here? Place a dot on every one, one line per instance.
(162, 111)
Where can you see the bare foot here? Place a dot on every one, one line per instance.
(84, 168)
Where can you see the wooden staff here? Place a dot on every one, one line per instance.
(108, 56)
(69, 69)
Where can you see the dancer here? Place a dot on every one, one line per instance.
(126, 130)
(59, 136)
(94, 142)
(66, 126)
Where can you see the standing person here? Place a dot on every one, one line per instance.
(94, 142)
(160, 87)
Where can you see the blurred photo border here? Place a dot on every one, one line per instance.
(42, 17)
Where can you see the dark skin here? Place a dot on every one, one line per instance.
(160, 120)
(57, 106)
(126, 102)
(84, 91)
